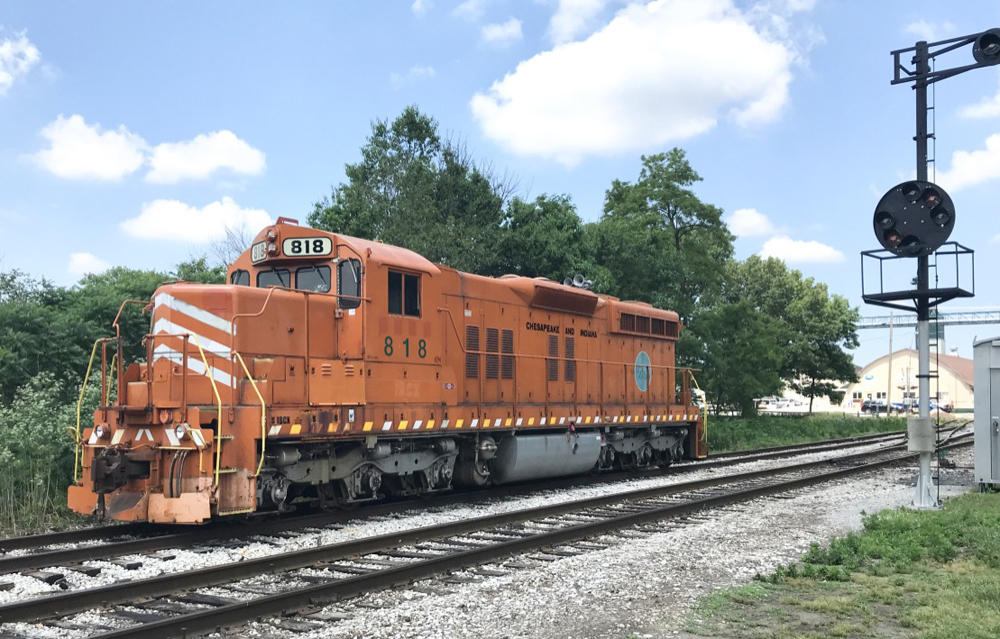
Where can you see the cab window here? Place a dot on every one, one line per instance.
(274, 277)
(240, 278)
(313, 278)
(404, 294)
(349, 282)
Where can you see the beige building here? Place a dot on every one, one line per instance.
(894, 379)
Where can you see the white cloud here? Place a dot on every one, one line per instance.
(573, 17)
(985, 108)
(17, 56)
(749, 222)
(79, 151)
(202, 156)
(470, 10)
(969, 168)
(83, 263)
(924, 30)
(504, 33)
(173, 220)
(415, 74)
(420, 7)
(800, 252)
(646, 79)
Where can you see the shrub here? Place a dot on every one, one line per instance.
(36, 454)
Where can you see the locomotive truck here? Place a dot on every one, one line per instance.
(333, 370)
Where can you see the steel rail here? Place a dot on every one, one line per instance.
(70, 602)
(71, 536)
(231, 530)
(337, 589)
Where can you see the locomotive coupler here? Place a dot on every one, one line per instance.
(112, 468)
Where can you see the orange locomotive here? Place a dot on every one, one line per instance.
(339, 370)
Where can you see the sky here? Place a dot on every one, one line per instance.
(134, 133)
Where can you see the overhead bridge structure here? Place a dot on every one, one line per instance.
(945, 319)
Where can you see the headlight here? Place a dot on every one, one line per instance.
(100, 430)
(166, 416)
(181, 430)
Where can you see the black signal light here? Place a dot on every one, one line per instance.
(986, 49)
(916, 217)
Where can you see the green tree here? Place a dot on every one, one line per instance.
(97, 299)
(820, 325)
(37, 333)
(661, 243)
(414, 190)
(545, 238)
(197, 270)
(740, 355)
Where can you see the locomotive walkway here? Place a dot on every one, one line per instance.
(348, 569)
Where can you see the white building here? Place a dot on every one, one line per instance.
(894, 379)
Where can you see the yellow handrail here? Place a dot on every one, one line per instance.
(78, 454)
(263, 418)
(218, 400)
(113, 377)
(704, 408)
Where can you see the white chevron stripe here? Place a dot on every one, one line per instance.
(203, 316)
(165, 326)
(194, 363)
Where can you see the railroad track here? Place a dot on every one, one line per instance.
(170, 605)
(40, 552)
(130, 539)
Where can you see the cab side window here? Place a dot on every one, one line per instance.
(349, 283)
(404, 294)
(240, 278)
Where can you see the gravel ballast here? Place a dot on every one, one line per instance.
(642, 586)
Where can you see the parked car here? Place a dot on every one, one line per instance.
(874, 406)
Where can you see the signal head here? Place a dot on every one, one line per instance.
(986, 49)
(914, 218)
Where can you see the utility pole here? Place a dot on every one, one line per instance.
(888, 395)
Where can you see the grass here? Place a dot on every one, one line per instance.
(745, 433)
(929, 575)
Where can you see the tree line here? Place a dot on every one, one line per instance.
(753, 327)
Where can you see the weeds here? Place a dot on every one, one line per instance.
(744, 433)
(36, 455)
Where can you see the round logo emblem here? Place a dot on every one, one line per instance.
(643, 371)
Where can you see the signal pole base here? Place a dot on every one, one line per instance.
(924, 498)
(920, 439)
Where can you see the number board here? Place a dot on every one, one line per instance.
(306, 246)
(258, 252)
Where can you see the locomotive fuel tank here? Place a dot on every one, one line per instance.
(539, 456)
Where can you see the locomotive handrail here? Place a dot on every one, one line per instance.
(118, 339)
(218, 399)
(704, 407)
(263, 412)
(78, 453)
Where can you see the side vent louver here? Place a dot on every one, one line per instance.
(507, 348)
(471, 354)
(492, 346)
(553, 364)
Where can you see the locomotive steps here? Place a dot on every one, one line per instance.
(441, 548)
